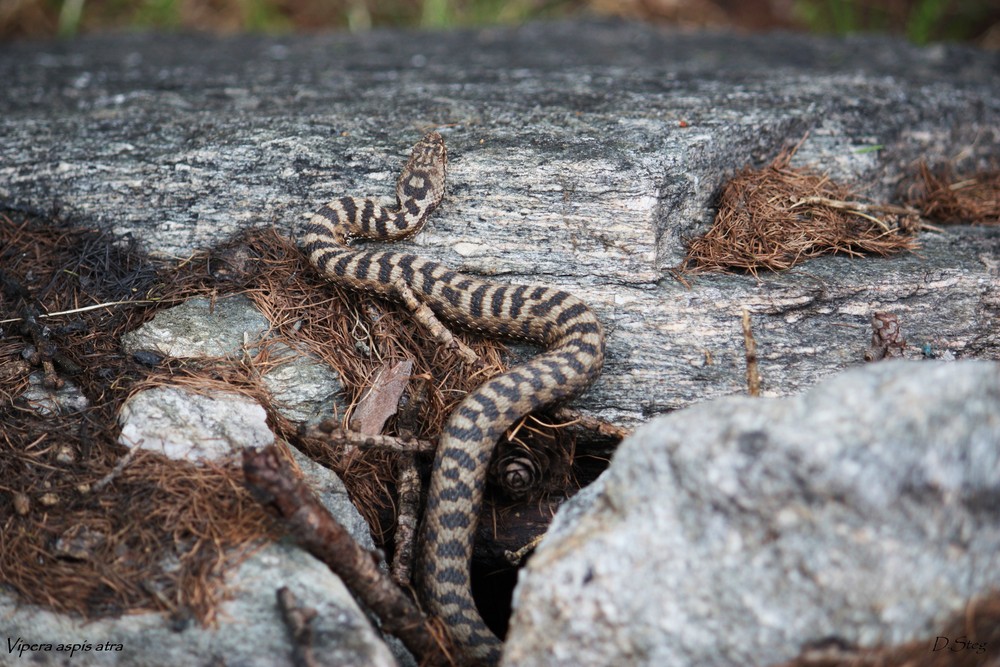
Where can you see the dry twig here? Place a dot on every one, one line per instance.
(336, 436)
(753, 372)
(599, 426)
(406, 520)
(423, 314)
(274, 486)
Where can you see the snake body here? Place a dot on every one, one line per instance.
(551, 318)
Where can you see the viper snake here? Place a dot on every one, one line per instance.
(547, 317)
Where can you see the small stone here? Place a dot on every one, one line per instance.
(147, 357)
(65, 454)
(199, 327)
(22, 503)
(183, 424)
(48, 401)
(304, 389)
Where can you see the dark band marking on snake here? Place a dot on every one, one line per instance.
(551, 318)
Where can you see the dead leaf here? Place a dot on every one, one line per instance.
(382, 399)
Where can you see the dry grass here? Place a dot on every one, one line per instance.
(163, 532)
(158, 535)
(949, 199)
(775, 217)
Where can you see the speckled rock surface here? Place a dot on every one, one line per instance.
(741, 531)
(183, 424)
(581, 155)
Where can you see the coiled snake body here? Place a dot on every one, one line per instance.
(560, 322)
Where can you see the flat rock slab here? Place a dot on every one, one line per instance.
(581, 155)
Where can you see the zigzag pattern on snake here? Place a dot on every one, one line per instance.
(560, 322)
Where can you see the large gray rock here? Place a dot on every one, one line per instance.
(581, 156)
(742, 530)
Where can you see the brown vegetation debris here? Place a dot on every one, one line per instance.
(381, 401)
(949, 199)
(75, 511)
(158, 538)
(87, 526)
(775, 217)
(887, 339)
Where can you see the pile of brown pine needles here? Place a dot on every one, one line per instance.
(775, 217)
(79, 533)
(945, 198)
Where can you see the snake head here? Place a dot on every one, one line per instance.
(429, 152)
(421, 185)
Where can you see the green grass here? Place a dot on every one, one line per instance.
(922, 21)
(157, 14)
(286, 15)
(450, 13)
